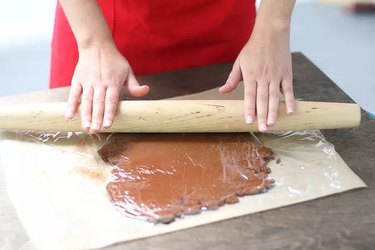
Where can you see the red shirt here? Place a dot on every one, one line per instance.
(161, 35)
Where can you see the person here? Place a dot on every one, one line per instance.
(99, 47)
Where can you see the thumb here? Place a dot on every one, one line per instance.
(133, 86)
(234, 78)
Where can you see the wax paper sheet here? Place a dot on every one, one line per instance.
(57, 183)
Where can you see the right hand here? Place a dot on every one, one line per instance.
(99, 76)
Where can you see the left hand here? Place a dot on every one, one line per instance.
(265, 66)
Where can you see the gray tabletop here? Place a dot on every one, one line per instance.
(341, 221)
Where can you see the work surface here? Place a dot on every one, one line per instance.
(344, 220)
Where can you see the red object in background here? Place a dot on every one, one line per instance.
(362, 8)
(161, 35)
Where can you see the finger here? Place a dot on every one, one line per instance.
(249, 98)
(134, 88)
(235, 76)
(111, 102)
(287, 88)
(86, 109)
(262, 105)
(97, 110)
(273, 103)
(74, 94)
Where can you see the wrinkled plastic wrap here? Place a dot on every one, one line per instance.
(58, 182)
(158, 177)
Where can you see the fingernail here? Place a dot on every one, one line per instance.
(69, 115)
(270, 123)
(87, 124)
(263, 127)
(289, 110)
(249, 119)
(107, 123)
(95, 126)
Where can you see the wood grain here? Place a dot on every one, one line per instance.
(187, 116)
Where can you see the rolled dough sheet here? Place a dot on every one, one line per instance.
(159, 177)
(58, 186)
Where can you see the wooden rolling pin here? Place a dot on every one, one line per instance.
(189, 116)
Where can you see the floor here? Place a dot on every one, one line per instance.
(341, 44)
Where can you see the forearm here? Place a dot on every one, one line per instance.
(87, 22)
(275, 15)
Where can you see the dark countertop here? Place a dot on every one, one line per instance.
(341, 221)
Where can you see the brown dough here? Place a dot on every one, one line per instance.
(158, 177)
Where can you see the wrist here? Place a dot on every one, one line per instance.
(268, 34)
(99, 51)
(99, 42)
(275, 16)
(274, 25)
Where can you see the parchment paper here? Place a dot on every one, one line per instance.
(57, 185)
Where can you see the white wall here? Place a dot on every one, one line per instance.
(25, 21)
(341, 44)
(25, 34)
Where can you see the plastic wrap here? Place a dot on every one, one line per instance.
(159, 177)
(59, 182)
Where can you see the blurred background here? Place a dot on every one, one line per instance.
(337, 35)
